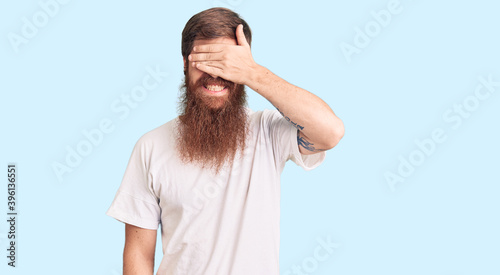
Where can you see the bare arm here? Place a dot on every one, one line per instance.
(319, 129)
(139, 251)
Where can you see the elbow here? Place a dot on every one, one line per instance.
(335, 134)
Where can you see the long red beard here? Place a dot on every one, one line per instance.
(211, 130)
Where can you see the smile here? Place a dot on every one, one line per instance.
(215, 89)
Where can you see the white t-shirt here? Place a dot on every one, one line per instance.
(228, 224)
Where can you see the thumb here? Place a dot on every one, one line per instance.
(240, 36)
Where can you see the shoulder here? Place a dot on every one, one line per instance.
(160, 134)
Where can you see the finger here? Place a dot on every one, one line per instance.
(240, 36)
(213, 71)
(210, 48)
(205, 56)
(214, 64)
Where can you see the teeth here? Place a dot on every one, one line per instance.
(215, 88)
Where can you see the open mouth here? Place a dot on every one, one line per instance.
(214, 89)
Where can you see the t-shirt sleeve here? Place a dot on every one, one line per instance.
(284, 138)
(135, 201)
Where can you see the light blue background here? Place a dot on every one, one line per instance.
(443, 219)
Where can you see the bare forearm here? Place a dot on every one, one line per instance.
(312, 116)
(135, 263)
(306, 111)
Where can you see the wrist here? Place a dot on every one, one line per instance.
(255, 76)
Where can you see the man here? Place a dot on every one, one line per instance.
(211, 177)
